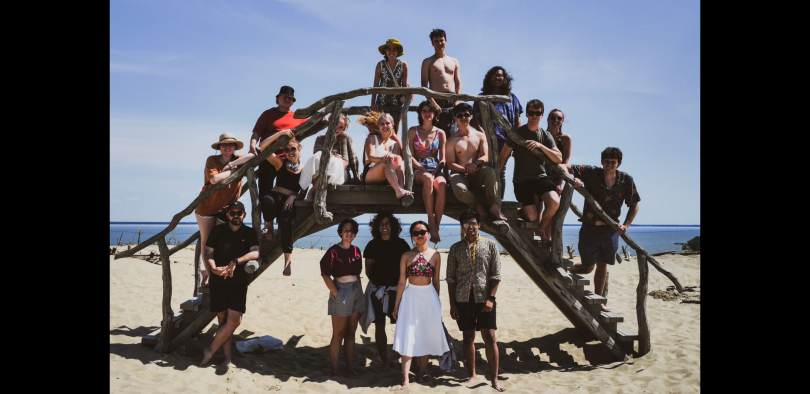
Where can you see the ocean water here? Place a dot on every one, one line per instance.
(653, 238)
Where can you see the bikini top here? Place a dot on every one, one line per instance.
(420, 147)
(420, 267)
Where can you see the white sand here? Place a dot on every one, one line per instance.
(539, 348)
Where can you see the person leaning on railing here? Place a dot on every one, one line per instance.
(211, 211)
(598, 243)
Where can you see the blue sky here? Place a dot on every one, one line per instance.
(626, 74)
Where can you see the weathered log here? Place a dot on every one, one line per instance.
(322, 214)
(237, 175)
(165, 326)
(256, 209)
(557, 225)
(308, 111)
(406, 147)
(197, 268)
(663, 253)
(185, 243)
(576, 210)
(498, 117)
(641, 306)
(364, 110)
(570, 251)
(492, 141)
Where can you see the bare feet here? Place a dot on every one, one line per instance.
(267, 234)
(287, 269)
(473, 379)
(605, 308)
(403, 193)
(351, 372)
(496, 212)
(207, 354)
(497, 386)
(405, 386)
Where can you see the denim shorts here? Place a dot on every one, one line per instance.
(429, 163)
(350, 299)
(597, 243)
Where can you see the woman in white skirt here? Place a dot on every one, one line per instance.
(335, 170)
(418, 311)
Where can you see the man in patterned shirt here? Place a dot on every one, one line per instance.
(599, 243)
(473, 275)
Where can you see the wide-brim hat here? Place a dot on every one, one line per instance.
(286, 91)
(394, 42)
(227, 138)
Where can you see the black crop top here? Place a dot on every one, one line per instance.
(287, 179)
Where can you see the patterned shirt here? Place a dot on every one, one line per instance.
(609, 199)
(511, 111)
(387, 80)
(475, 275)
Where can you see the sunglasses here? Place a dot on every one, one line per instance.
(534, 113)
(290, 150)
(464, 115)
(465, 225)
(552, 117)
(418, 233)
(236, 213)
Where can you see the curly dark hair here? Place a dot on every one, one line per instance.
(419, 112)
(396, 225)
(489, 88)
(612, 153)
(414, 225)
(469, 214)
(437, 33)
(461, 107)
(354, 227)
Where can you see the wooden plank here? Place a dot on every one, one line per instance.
(205, 289)
(197, 267)
(624, 334)
(166, 326)
(592, 298)
(192, 304)
(579, 280)
(610, 317)
(525, 224)
(151, 339)
(644, 343)
(177, 320)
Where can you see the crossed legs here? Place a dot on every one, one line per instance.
(392, 172)
(228, 321)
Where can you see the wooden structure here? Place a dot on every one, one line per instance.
(545, 266)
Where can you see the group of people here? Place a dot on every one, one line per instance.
(448, 147)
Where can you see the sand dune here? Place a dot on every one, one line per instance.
(539, 348)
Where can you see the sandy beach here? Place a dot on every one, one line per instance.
(539, 348)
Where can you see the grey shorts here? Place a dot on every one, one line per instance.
(350, 299)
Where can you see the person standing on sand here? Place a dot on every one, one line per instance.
(442, 73)
(344, 263)
(382, 256)
(598, 243)
(473, 276)
(227, 250)
(530, 178)
(467, 152)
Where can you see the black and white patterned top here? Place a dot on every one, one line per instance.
(387, 80)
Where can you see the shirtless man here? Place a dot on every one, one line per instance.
(467, 153)
(441, 73)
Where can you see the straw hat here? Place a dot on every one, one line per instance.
(392, 42)
(227, 138)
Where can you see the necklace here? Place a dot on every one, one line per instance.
(293, 166)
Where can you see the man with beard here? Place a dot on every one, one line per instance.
(227, 250)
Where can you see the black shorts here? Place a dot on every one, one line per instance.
(470, 316)
(378, 308)
(525, 191)
(228, 297)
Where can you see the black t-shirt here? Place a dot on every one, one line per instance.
(229, 245)
(386, 256)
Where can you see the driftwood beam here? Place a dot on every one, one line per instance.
(322, 214)
(235, 176)
(197, 268)
(641, 307)
(166, 325)
(364, 110)
(557, 225)
(492, 141)
(498, 117)
(185, 243)
(406, 146)
(308, 111)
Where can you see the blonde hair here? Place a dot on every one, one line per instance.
(370, 121)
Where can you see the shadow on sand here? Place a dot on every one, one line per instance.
(297, 361)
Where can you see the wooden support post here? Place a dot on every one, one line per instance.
(322, 215)
(641, 306)
(406, 150)
(166, 325)
(256, 209)
(605, 291)
(197, 267)
(557, 225)
(492, 139)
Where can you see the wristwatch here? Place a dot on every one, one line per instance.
(491, 298)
